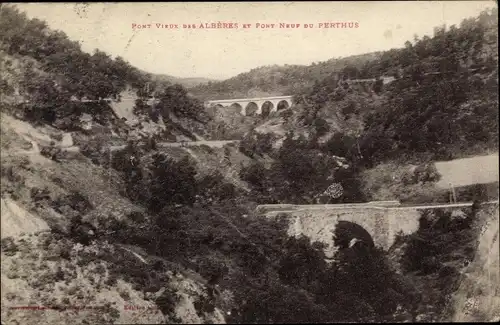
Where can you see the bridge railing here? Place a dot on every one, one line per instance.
(396, 205)
(264, 208)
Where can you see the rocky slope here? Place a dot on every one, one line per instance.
(66, 280)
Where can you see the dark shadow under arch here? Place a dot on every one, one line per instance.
(235, 108)
(215, 110)
(267, 107)
(251, 109)
(345, 231)
(283, 104)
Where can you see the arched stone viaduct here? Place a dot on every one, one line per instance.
(254, 106)
(383, 220)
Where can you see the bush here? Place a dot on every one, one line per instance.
(378, 86)
(93, 149)
(171, 182)
(74, 200)
(255, 174)
(51, 152)
(167, 302)
(426, 173)
(321, 126)
(203, 305)
(38, 194)
(214, 188)
(256, 144)
(341, 145)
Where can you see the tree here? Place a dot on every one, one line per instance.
(171, 182)
(175, 99)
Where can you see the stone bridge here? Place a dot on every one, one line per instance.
(383, 220)
(253, 106)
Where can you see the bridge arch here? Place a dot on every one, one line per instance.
(282, 104)
(374, 221)
(346, 231)
(251, 109)
(236, 108)
(215, 110)
(266, 108)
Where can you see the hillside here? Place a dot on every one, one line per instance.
(405, 118)
(277, 80)
(186, 82)
(441, 105)
(32, 270)
(47, 76)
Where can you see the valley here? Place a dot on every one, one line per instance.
(359, 189)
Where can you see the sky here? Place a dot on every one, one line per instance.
(221, 53)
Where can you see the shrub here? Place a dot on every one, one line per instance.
(256, 143)
(167, 301)
(378, 86)
(92, 149)
(38, 194)
(74, 200)
(254, 174)
(171, 182)
(57, 137)
(203, 305)
(426, 173)
(321, 126)
(51, 152)
(9, 246)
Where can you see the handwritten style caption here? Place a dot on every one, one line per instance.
(223, 25)
(81, 308)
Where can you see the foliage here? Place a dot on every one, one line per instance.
(255, 174)
(256, 143)
(438, 236)
(74, 200)
(436, 254)
(175, 99)
(64, 74)
(51, 152)
(93, 76)
(170, 182)
(300, 172)
(213, 189)
(425, 173)
(278, 278)
(167, 302)
(342, 145)
(435, 106)
(442, 103)
(321, 126)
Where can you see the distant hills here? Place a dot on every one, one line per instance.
(186, 82)
(278, 79)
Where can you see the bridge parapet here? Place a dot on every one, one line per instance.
(277, 208)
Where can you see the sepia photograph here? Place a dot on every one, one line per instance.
(249, 162)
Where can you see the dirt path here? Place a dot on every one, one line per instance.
(468, 171)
